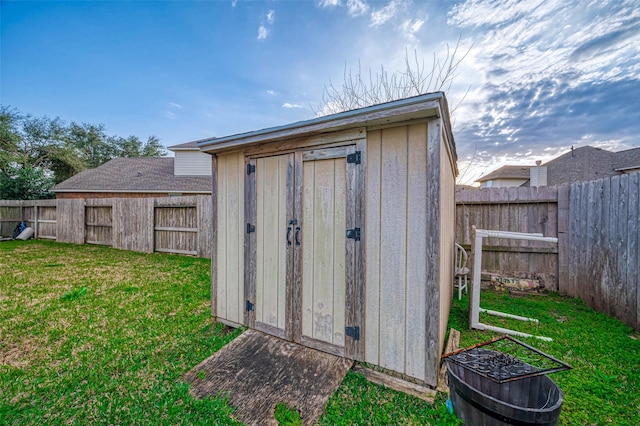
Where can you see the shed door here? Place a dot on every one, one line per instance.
(273, 244)
(324, 211)
(303, 281)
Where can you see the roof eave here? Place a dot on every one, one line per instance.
(624, 169)
(143, 191)
(422, 106)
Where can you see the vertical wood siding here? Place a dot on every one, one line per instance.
(396, 249)
(324, 224)
(271, 240)
(447, 239)
(230, 237)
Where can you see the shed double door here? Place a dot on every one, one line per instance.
(302, 243)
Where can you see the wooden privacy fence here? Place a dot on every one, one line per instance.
(531, 210)
(602, 258)
(597, 226)
(181, 225)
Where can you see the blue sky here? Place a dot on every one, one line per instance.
(539, 76)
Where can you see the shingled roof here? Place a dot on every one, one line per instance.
(629, 159)
(193, 145)
(142, 174)
(507, 172)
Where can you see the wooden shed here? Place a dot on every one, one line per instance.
(337, 233)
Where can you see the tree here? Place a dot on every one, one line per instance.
(40, 151)
(416, 79)
(25, 183)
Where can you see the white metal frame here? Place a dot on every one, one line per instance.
(475, 309)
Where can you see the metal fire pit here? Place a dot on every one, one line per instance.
(502, 382)
(504, 359)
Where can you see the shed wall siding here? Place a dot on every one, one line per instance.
(230, 237)
(192, 163)
(447, 239)
(395, 249)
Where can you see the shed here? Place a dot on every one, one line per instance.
(337, 233)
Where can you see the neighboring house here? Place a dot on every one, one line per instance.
(506, 177)
(627, 161)
(189, 173)
(578, 165)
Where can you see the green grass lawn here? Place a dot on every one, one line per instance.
(93, 335)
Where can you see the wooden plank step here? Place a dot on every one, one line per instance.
(395, 383)
(258, 371)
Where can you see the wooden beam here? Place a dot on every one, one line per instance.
(395, 383)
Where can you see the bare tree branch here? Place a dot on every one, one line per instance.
(416, 79)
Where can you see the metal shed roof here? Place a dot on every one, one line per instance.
(422, 106)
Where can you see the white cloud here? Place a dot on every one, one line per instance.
(234, 3)
(410, 27)
(382, 16)
(329, 3)
(271, 16)
(170, 115)
(263, 32)
(354, 7)
(175, 105)
(538, 39)
(289, 105)
(271, 92)
(357, 7)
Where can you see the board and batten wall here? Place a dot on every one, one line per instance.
(408, 236)
(407, 302)
(228, 300)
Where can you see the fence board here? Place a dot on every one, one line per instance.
(70, 221)
(133, 224)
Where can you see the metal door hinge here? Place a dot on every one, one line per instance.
(354, 234)
(250, 228)
(249, 306)
(354, 158)
(251, 168)
(353, 332)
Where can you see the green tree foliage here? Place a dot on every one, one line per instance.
(45, 151)
(25, 183)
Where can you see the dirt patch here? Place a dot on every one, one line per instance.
(18, 355)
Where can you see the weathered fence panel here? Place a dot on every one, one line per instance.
(604, 245)
(176, 229)
(70, 221)
(597, 224)
(181, 225)
(46, 223)
(10, 216)
(533, 210)
(99, 221)
(205, 226)
(133, 224)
